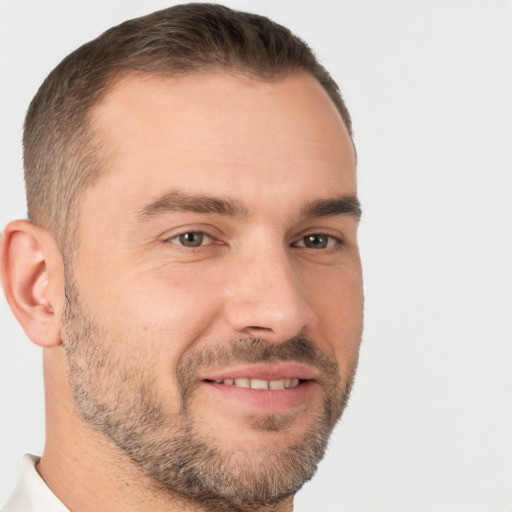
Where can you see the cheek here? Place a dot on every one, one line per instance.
(171, 308)
(153, 318)
(337, 299)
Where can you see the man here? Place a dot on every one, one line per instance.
(190, 266)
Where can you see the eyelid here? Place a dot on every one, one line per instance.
(208, 239)
(199, 227)
(211, 233)
(332, 238)
(333, 232)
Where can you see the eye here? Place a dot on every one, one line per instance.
(191, 239)
(318, 241)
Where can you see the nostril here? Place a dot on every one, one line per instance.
(274, 318)
(257, 331)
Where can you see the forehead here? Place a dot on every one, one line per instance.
(217, 132)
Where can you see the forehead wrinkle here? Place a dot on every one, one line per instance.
(181, 202)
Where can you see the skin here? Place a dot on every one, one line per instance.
(272, 148)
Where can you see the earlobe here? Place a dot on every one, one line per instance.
(33, 280)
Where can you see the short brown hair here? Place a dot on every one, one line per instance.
(61, 156)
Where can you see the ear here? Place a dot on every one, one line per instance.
(33, 278)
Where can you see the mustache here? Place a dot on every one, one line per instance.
(256, 350)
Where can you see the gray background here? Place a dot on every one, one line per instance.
(429, 85)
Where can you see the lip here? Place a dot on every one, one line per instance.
(265, 400)
(266, 371)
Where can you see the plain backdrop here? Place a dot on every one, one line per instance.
(429, 86)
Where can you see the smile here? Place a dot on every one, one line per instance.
(261, 383)
(276, 387)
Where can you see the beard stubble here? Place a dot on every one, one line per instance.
(115, 394)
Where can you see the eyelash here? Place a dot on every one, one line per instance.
(331, 240)
(176, 239)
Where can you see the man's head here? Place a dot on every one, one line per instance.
(197, 172)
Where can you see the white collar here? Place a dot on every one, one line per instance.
(31, 493)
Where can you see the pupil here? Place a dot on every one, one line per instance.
(316, 241)
(193, 239)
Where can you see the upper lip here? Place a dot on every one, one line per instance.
(265, 371)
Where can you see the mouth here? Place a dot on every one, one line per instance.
(269, 388)
(260, 383)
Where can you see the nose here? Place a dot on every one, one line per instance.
(265, 297)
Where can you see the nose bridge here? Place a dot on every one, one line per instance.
(266, 298)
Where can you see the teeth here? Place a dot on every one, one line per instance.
(276, 384)
(259, 384)
(262, 384)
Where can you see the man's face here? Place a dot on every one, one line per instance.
(217, 256)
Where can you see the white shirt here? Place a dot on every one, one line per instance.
(31, 493)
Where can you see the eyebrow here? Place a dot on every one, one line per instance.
(332, 207)
(180, 202)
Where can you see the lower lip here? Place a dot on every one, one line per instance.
(267, 400)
